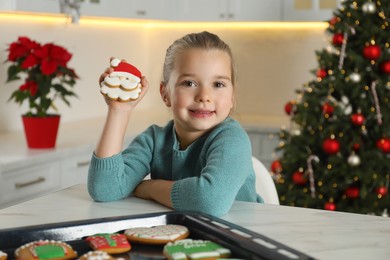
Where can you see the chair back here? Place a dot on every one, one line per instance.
(265, 185)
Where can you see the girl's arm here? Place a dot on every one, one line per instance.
(111, 140)
(157, 190)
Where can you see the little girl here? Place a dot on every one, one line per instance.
(201, 160)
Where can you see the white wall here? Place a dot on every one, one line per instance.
(271, 63)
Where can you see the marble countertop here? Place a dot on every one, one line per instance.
(318, 233)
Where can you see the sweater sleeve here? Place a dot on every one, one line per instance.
(228, 165)
(116, 177)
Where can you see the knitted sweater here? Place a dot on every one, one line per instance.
(209, 174)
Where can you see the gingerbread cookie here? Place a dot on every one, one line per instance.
(195, 249)
(109, 243)
(45, 249)
(96, 255)
(3, 255)
(123, 84)
(157, 235)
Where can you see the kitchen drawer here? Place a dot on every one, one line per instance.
(25, 183)
(74, 169)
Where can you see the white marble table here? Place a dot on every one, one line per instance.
(318, 233)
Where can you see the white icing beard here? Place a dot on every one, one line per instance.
(122, 89)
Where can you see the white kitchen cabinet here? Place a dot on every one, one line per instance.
(28, 181)
(308, 10)
(39, 6)
(74, 169)
(227, 10)
(132, 9)
(106, 8)
(152, 9)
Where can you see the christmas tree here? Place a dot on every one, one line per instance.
(335, 154)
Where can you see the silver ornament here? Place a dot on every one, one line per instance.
(369, 8)
(355, 77)
(354, 160)
(296, 132)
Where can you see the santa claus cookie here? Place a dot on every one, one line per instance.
(45, 249)
(110, 243)
(157, 235)
(195, 249)
(123, 84)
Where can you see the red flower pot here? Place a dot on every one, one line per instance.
(41, 132)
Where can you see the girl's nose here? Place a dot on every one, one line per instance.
(203, 95)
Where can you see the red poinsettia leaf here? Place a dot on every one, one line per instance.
(21, 48)
(16, 51)
(23, 87)
(48, 67)
(33, 87)
(29, 62)
(27, 43)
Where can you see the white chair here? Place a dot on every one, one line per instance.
(265, 185)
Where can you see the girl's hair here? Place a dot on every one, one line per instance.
(204, 40)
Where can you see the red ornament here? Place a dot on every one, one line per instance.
(333, 21)
(338, 39)
(327, 108)
(385, 67)
(299, 178)
(356, 146)
(330, 206)
(276, 166)
(384, 145)
(288, 108)
(321, 73)
(357, 119)
(331, 146)
(382, 190)
(352, 192)
(372, 52)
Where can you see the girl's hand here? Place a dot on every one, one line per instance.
(157, 190)
(142, 190)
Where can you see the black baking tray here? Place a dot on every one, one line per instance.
(243, 243)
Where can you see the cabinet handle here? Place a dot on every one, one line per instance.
(82, 164)
(141, 12)
(29, 183)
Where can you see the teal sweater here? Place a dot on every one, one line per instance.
(209, 175)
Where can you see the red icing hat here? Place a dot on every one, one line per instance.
(123, 68)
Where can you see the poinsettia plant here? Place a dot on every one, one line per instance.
(44, 73)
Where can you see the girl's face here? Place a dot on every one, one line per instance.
(200, 92)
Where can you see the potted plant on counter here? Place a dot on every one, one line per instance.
(45, 77)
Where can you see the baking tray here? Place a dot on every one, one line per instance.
(243, 243)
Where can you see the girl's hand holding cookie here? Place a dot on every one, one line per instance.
(122, 83)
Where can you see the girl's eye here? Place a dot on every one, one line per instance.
(219, 84)
(189, 83)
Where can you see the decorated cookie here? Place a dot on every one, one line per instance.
(109, 243)
(45, 249)
(157, 235)
(123, 84)
(194, 249)
(96, 255)
(3, 255)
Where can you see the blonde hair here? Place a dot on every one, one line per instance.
(203, 40)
